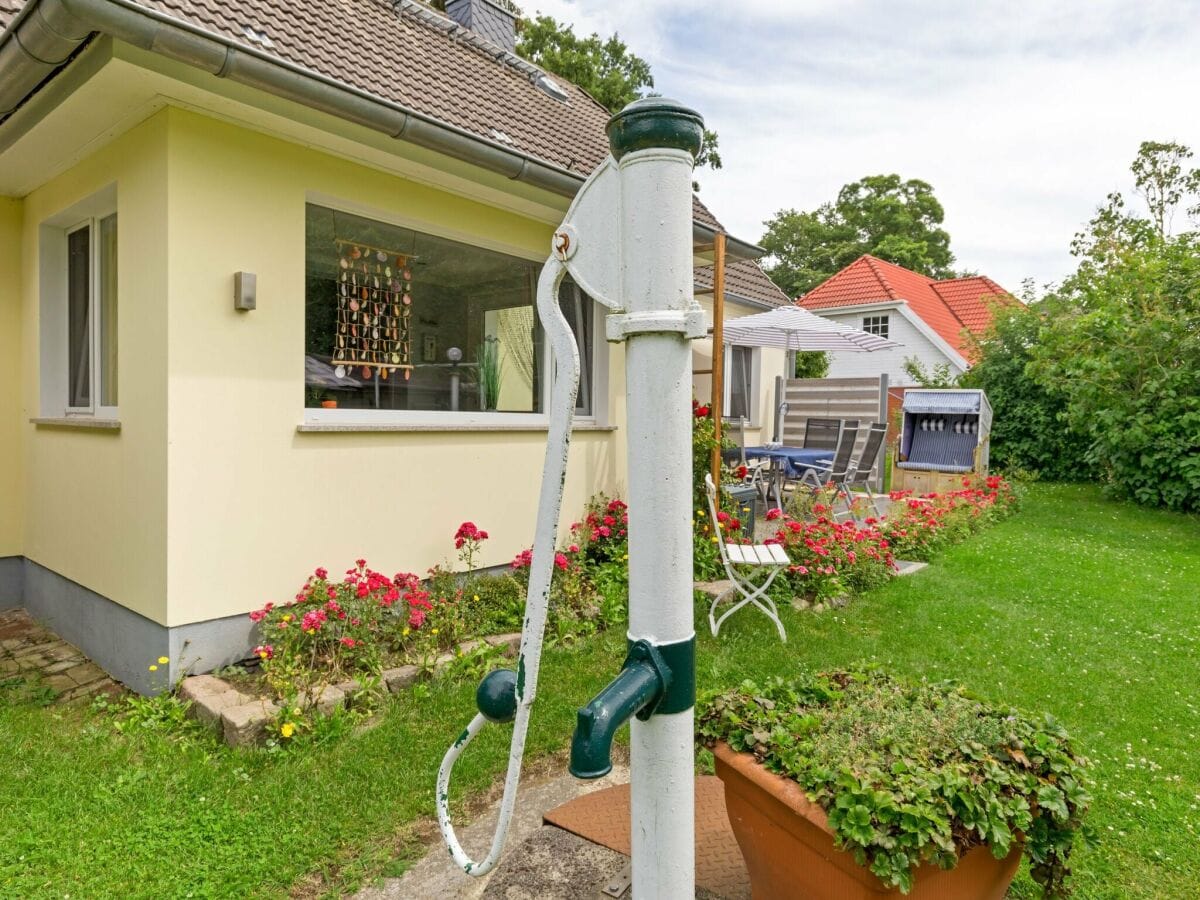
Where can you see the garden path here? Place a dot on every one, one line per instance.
(36, 655)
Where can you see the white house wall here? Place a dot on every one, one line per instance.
(891, 362)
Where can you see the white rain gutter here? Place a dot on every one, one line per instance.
(46, 33)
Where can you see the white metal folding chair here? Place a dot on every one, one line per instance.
(752, 556)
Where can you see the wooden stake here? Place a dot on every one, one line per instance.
(718, 355)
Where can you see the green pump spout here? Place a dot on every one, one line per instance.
(642, 682)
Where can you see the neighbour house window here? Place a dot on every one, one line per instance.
(740, 382)
(876, 325)
(400, 320)
(91, 315)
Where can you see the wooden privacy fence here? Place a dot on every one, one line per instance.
(800, 399)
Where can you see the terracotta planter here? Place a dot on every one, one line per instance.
(329, 404)
(788, 847)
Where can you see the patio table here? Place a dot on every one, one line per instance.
(795, 459)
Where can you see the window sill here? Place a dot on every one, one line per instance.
(83, 422)
(359, 427)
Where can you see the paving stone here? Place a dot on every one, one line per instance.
(8, 666)
(904, 567)
(31, 662)
(713, 589)
(329, 699)
(11, 644)
(197, 686)
(207, 708)
(63, 651)
(511, 642)
(246, 724)
(84, 690)
(399, 678)
(60, 683)
(62, 666)
(86, 673)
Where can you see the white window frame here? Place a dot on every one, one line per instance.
(420, 418)
(752, 391)
(878, 325)
(54, 366)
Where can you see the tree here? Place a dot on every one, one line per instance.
(604, 67)
(897, 220)
(811, 364)
(937, 376)
(1122, 343)
(1029, 432)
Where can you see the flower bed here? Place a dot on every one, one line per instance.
(912, 773)
(831, 559)
(338, 634)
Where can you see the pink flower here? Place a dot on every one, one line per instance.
(322, 573)
(560, 561)
(774, 513)
(348, 642)
(574, 548)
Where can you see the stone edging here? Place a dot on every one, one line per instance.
(242, 721)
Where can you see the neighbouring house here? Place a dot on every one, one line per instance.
(931, 319)
(253, 256)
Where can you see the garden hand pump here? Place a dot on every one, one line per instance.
(627, 243)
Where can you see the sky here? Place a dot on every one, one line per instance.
(1023, 116)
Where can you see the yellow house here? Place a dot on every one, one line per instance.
(266, 288)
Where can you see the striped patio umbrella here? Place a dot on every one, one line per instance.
(795, 328)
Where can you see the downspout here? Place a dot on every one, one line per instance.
(45, 33)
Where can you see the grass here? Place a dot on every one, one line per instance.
(1077, 606)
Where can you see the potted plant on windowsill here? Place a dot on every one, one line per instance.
(858, 785)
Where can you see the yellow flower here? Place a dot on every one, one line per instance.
(154, 668)
(288, 729)
(700, 513)
(626, 556)
(434, 631)
(476, 598)
(405, 632)
(162, 660)
(715, 541)
(288, 617)
(296, 711)
(312, 631)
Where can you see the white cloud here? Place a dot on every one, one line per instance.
(1023, 117)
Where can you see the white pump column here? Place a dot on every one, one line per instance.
(661, 318)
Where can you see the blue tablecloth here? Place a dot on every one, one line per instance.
(797, 459)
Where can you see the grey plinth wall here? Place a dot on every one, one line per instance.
(120, 641)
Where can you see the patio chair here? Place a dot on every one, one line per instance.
(837, 469)
(864, 467)
(769, 557)
(822, 434)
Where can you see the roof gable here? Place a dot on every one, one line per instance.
(948, 307)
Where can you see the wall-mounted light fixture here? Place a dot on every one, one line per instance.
(245, 290)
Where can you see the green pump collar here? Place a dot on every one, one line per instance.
(655, 122)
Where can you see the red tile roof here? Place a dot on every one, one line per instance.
(949, 307)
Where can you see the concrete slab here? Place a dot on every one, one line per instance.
(909, 568)
(437, 878)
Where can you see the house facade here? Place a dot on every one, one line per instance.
(932, 320)
(257, 268)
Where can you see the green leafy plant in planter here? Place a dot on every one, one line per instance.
(490, 372)
(912, 773)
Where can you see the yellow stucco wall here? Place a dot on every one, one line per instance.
(771, 363)
(253, 505)
(11, 500)
(94, 503)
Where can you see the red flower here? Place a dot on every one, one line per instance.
(348, 642)
(561, 561)
(701, 412)
(468, 531)
(742, 471)
(774, 513)
(322, 573)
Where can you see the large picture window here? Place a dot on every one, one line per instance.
(396, 319)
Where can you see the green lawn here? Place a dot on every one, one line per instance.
(1078, 606)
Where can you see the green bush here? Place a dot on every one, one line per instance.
(912, 773)
(1030, 428)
